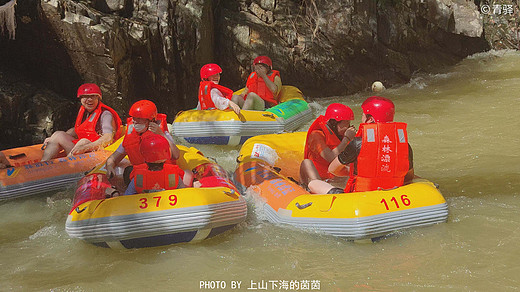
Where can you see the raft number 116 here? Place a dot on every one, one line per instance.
(404, 200)
(145, 204)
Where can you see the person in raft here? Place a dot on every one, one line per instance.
(379, 157)
(211, 94)
(328, 135)
(158, 173)
(263, 86)
(144, 121)
(97, 125)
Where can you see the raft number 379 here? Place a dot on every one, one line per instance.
(404, 200)
(156, 200)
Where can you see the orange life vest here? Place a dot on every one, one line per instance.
(383, 159)
(332, 141)
(85, 126)
(147, 181)
(205, 94)
(132, 139)
(257, 85)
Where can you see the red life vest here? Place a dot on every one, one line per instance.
(383, 159)
(85, 127)
(147, 181)
(132, 139)
(257, 85)
(332, 141)
(205, 94)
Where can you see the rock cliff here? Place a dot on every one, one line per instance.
(154, 49)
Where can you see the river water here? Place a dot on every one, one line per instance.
(463, 126)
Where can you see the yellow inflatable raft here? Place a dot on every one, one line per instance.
(159, 218)
(226, 128)
(270, 164)
(29, 176)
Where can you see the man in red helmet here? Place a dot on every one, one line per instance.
(156, 174)
(97, 125)
(144, 121)
(379, 157)
(211, 94)
(326, 138)
(263, 86)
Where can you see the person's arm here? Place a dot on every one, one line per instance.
(223, 103)
(340, 166)
(176, 153)
(156, 128)
(113, 160)
(338, 169)
(410, 175)
(262, 72)
(278, 83)
(329, 154)
(107, 130)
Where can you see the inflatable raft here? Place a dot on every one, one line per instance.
(226, 128)
(270, 165)
(29, 176)
(159, 218)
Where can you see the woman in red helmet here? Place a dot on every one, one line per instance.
(379, 157)
(211, 94)
(326, 138)
(144, 121)
(97, 125)
(157, 173)
(263, 86)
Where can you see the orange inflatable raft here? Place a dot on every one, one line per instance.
(29, 176)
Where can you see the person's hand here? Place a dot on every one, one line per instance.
(350, 133)
(111, 172)
(234, 107)
(155, 128)
(260, 70)
(80, 147)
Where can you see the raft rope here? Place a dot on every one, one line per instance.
(8, 19)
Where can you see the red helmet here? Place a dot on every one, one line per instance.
(263, 60)
(339, 112)
(89, 89)
(208, 70)
(144, 109)
(155, 148)
(381, 108)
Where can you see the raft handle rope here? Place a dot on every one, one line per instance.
(303, 206)
(231, 193)
(17, 156)
(79, 211)
(269, 115)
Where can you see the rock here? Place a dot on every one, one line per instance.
(154, 49)
(29, 113)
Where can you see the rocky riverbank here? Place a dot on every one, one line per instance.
(154, 49)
